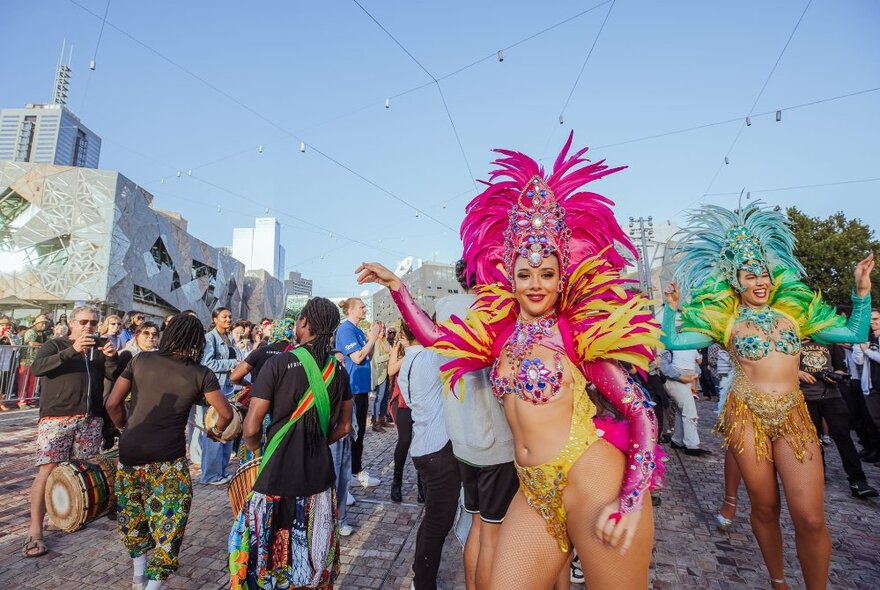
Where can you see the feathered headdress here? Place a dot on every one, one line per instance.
(525, 213)
(719, 242)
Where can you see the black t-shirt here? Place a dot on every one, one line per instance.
(816, 359)
(163, 389)
(873, 365)
(302, 464)
(258, 357)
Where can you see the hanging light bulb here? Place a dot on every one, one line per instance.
(500, 55)
(748, 121)
(162, 181)
(92, 65)
(726, 160)
(260, 149)
(302, 146)
(561, 121)
(178, 174)
(387, 103)
(189, 172)
(778, 116)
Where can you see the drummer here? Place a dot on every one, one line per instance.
(153, 470)
(281, 339)
(72, 370)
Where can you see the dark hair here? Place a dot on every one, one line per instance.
(407, 331)
(184, 339)
(126, 320)
(264, 320)
(218, 311)
(323, 319)
(465, 279)
(191, 312)
(241, 324)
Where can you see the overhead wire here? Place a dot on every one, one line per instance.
(436, 82)
(797, 187)
(743, 125)
(236, 101)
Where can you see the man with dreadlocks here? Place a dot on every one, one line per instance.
(286, 534)
(153, 486)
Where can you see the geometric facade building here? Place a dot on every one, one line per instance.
(70, 235)
(296, 284)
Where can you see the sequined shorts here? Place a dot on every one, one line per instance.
(772, 416)
(543, 484)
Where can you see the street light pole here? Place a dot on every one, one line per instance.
(641, 230)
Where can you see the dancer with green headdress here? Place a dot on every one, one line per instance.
(741, 284)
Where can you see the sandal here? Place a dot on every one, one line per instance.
(725, 523)
(33, 547)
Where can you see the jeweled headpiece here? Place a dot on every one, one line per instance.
(537, 227)
(523, 212)
(721, 242)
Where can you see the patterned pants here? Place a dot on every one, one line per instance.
(152, 506)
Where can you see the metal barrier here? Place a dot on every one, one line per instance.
(18, 384)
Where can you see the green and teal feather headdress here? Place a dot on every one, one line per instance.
(719, 242)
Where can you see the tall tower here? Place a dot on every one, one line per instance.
(49, 133)
(62, 77)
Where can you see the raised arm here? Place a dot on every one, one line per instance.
(619, 388)
(856, 328)
(425, 331)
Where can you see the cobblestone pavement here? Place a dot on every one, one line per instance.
(689, 552)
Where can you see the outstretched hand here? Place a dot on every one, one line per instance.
(373, 272)
(672, 295)
(617, 530)
(863, 275)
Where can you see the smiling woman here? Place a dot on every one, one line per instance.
(742, 283)
(551, 319)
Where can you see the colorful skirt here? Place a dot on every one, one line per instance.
(285, 542)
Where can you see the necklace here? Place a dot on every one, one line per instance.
(531, 376)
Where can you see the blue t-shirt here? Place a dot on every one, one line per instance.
(350, 339)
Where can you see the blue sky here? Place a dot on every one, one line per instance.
(278, 73)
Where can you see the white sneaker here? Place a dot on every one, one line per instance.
(365, 480)
(349, 499)
(345, 530)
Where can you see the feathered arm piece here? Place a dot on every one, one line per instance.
(471, 342)
(709, 313)
(606, 320)
(813, 317)
(619, 388)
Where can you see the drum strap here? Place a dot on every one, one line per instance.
(316, 396)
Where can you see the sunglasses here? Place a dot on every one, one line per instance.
(150, 334)
(87, 322)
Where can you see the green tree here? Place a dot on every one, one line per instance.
(829, 249)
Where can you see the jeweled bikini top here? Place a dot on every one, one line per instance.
(529, 378)
(765, 330)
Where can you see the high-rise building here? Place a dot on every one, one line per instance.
(47, 134)
(296, 284)
(260, 247)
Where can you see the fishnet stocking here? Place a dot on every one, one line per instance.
(527, 556)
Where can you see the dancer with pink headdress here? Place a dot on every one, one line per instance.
(552, 319)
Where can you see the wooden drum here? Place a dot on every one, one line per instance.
(78, 492)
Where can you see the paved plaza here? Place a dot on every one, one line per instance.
(690, 553)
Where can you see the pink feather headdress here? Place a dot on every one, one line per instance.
(525, 213)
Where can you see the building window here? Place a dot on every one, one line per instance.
(199, 270)
(161, 255)
(144, 295)
(49, 252)
(80, 147)
(25, 147)
(175, 281)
